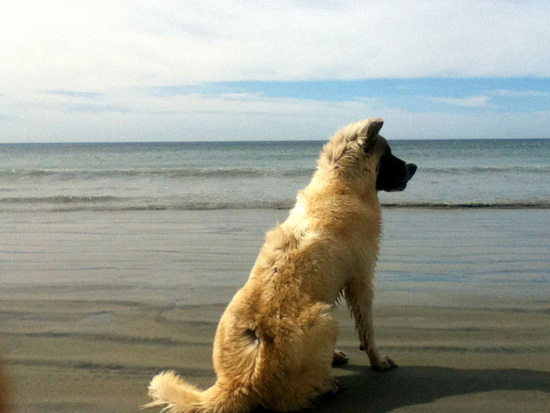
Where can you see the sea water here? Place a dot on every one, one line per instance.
(259, 175)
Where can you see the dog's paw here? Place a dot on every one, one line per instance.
(329, 389)
(383, 363)
(332, 386)
(339, 358)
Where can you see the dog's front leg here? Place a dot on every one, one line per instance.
(359, 295)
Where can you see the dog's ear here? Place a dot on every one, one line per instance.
(373, 128)
(370, 131)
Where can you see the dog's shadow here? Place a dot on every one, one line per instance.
(370, 391)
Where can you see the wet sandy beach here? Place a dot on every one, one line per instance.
(93, 305)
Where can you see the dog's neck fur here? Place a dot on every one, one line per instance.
(342, 171)
(343, 164)
(343, 160)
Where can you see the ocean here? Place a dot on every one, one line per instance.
(259, 175)
(117, 260)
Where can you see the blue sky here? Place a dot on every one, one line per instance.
(424, 94)
(243, 70)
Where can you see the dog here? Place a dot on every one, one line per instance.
(275, 342)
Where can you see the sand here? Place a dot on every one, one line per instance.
(93, 305)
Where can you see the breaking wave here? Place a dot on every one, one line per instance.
(542, 169)
(231, 172)
(112, 203)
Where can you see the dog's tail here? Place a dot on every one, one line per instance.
(174, 395)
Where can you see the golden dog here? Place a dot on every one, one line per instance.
(275, 342)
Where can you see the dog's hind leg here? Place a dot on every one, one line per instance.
(359, 295)
(302, 367)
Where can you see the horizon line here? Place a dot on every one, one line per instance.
(255, 141)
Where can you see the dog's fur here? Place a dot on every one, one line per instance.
(275, 342)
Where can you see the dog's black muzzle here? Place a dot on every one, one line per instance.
(394, 174)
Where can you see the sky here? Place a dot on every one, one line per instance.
(120, 70)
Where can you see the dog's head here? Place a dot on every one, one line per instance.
(393, 173)
(359, 150)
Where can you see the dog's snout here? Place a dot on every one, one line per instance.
(411, 167)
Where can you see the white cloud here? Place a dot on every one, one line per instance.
(94, 45)
(139, 117)
(519, 93)
(133, 116)
(468, 102)
(76, 70)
